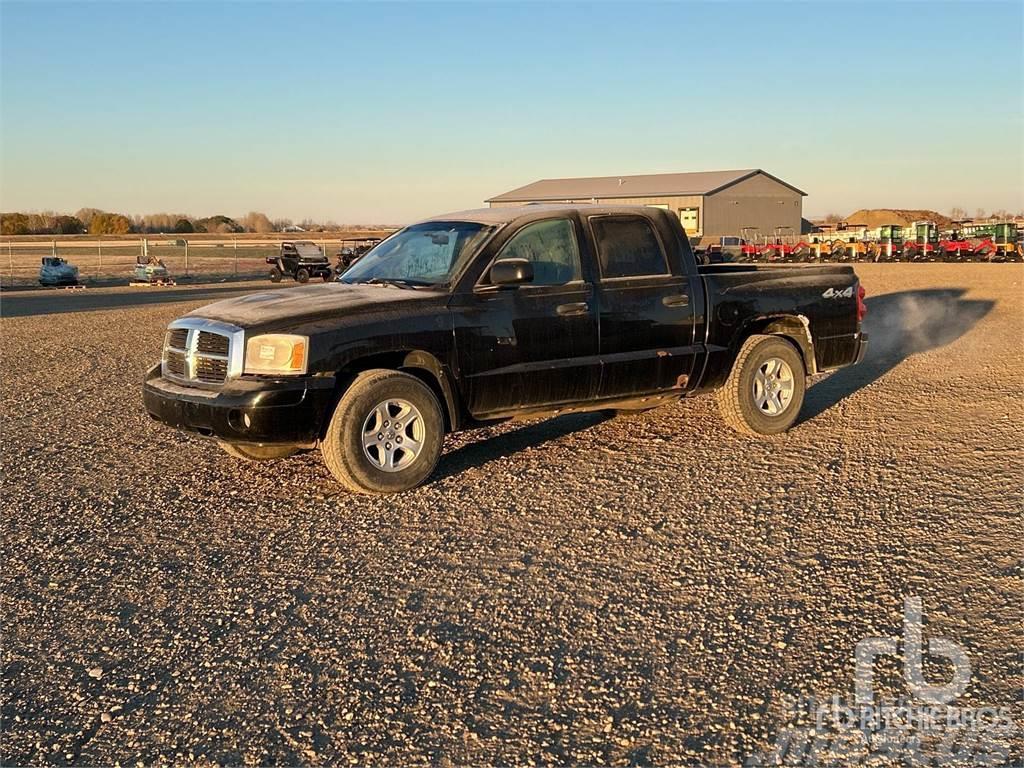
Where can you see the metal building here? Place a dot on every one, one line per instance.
(709, 203)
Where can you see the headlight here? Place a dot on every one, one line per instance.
(277, 353)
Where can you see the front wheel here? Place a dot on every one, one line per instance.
(765, 390)
(302, 275)
(386, 433)
(255, 452)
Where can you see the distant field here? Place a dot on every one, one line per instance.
(112, 258)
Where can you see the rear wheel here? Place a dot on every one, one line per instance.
(275, 275)
(765, 390)
(255, 452)
(302, 275)
(386, 433)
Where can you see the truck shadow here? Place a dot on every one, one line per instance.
(486, 448)
(898, 325)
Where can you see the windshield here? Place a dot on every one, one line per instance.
(423, 254)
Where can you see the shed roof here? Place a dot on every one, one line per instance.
(649, 185)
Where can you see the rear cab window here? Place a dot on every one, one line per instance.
(627, 246)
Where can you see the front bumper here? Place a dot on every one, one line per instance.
(290, 411)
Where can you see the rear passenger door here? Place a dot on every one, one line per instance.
(645, 308)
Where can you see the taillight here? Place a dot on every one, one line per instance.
(862, 308)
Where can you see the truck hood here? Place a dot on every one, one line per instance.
(298, 306)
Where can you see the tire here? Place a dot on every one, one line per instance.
(738, 401)
(254, 452)
(275, 275)
(363, 470)
(302, 275)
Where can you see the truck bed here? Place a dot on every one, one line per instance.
(803, 269)
(749, 298)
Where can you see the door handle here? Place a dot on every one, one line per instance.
(577, 308)
(676, 300)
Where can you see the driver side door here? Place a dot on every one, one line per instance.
(534, 344)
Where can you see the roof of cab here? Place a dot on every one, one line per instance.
(505, 214)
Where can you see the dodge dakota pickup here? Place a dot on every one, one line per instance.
(492, 314)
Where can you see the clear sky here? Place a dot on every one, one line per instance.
(386, 112)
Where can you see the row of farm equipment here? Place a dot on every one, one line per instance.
(920, 241)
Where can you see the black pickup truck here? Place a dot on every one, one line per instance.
(500, 313)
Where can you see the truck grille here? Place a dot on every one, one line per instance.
(213, 344)
(211, 371)
(194, 353)
(177, 338)
(174, 362)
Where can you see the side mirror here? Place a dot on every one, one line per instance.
(511, 272)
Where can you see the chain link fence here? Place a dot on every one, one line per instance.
(113, 261)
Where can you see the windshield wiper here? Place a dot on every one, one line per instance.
(395, 281)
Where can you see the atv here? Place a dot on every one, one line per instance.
(352, 251)
(300, 260)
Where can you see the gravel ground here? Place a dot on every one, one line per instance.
(633, 590)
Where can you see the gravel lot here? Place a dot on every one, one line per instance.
(598, 590)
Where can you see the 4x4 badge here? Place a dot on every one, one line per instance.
(832, 293)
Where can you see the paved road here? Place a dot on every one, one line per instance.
(584, 590)
(58, 301)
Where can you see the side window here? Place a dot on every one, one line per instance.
(551, 247)
(627, 247)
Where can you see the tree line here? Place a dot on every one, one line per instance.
(93, 221)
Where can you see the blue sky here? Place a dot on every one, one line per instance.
(387, 112)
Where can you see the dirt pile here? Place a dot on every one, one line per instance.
(876, 217)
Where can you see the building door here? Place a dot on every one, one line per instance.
(690, 218)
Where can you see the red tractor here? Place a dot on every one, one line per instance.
(956, 246)
(781, 248)
(999, 241)
(922, 242)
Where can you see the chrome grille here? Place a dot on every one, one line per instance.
(211, 371)
(174, 363)
(177, 338)
(213, 343)
(202, 352)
